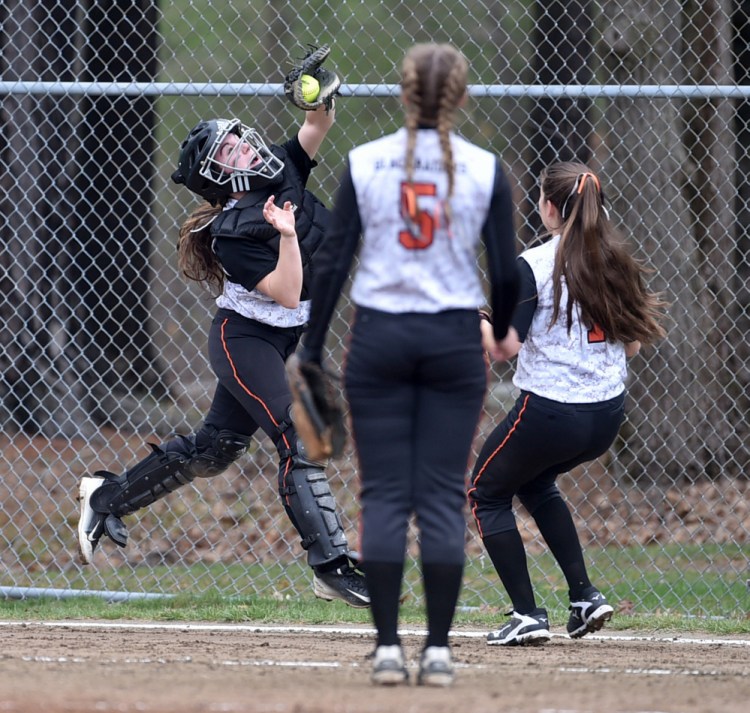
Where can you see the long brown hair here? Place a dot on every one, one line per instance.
(433, 83)
(602, 277)
(195, 256)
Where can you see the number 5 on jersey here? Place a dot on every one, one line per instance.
(420, 224)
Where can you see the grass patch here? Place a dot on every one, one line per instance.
(307, 610)
(673, 588)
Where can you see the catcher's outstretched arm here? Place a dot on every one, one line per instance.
(315, 128)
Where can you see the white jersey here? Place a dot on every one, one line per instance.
(253, 304)
(432, 269)
(575, 367)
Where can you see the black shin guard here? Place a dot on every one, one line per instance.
(309, 502)
(156, 475)
(168, 467)
(312, 509)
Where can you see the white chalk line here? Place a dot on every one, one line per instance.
(354, 631)
(271, 663)
(345, 631)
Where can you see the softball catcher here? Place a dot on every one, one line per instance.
(253, 243)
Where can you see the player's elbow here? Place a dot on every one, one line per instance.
(290, 302)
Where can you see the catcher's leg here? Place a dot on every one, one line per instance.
(105, 497)
(311, 507)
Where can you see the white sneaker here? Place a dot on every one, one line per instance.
(388, 668)
(522, 629)
(436, 667)
(90, 522)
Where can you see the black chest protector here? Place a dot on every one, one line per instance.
(245, 220)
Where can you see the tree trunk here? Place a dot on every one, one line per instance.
(741, 41)
(558, 129)
(709, 136)
(76, 200)
(673, 429)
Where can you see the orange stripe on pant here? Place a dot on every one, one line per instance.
(489, 460)
(257, 398)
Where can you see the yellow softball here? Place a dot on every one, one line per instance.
(310, 87)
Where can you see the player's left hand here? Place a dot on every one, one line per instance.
(506, 348)
(280, 218)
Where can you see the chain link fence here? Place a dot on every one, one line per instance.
(103, 344)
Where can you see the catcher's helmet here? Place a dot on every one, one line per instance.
(199, 168)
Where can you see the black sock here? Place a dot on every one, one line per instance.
(384, 585)
(442, 585)
(556, 526)
(507, 553)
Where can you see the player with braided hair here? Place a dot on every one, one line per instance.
(252, 244)
(583, 309)
(417, 204)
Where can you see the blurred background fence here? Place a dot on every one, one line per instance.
(102, 344)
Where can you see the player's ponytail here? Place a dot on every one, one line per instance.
(196, 259)
(604, 282)
(433, 85)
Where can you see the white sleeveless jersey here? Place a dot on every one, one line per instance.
(575, 367)
(432, 268)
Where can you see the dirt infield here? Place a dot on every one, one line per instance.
(100, 667)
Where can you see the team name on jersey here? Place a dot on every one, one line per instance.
(434, 165)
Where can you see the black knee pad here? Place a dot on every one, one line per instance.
(210, 451)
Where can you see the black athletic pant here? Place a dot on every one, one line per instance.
(538, 440)
(248, 360)
(415, 385)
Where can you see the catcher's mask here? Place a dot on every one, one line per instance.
(212, 177)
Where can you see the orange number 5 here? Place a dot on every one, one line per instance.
(421, 224)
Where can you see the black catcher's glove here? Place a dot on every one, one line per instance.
(316, 412)
(310, 65)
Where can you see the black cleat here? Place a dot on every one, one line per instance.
(522, 630)
(92, 525)
(588, 614)
(345, 583)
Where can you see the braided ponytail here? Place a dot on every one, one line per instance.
(433, 85)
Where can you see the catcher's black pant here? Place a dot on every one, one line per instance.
(415, 384)
(248, 360)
